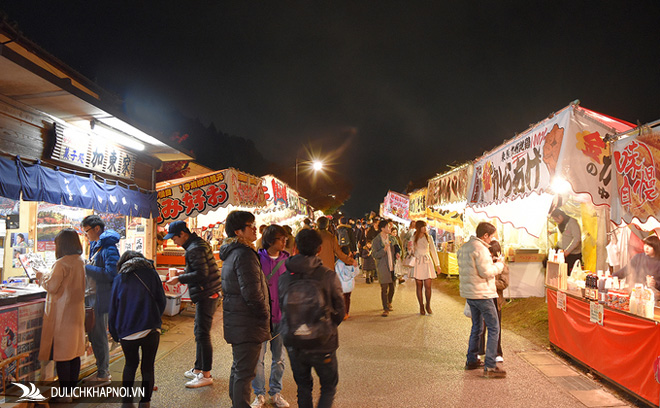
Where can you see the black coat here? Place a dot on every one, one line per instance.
(246, 301)
(202, 274)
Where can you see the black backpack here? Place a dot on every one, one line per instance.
(308, 324)
(343, 237)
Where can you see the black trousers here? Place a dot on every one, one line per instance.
(326, 367)
(204, 311)
(243, 371)
(131, 349)
(387, 293)
(67, 373)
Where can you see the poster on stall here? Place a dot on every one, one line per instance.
(20, 242)
(189, 197)
(30, 321)
(396, 207)
(417, 206)
(292, 198)
(53, 218)
(8, 343)
(636, 186)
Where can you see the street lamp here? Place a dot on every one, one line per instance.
(316, 165)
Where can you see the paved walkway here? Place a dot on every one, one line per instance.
(404, 360)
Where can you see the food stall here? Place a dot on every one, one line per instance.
(618, 335)
(445, 206)
(66, 151)
(204, 200)
(517, 184)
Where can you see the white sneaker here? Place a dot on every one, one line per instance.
(199, 381)
(259, 401)
(190, 374)
(499, 359)
(279, 401)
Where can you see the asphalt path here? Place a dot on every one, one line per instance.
(403, 360)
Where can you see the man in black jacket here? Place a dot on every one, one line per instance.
(246, 304)
(203, 280)
(322, 358)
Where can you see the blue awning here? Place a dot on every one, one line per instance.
(39, 183)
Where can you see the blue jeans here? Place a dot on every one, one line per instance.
(99, 339)
(483, 311)
(276, 367)
(204, 311)
(326, 367)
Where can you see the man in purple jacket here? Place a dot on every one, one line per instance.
(272, 256)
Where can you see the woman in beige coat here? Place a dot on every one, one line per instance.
(63, 331)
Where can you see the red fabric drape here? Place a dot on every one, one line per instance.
(623, 349)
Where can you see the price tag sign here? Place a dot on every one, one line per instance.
(561, 301)
(596, 313)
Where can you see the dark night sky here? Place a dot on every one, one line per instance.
(406, 87)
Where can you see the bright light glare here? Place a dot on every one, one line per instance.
(560, 185)
(317, 165)
(136, 133)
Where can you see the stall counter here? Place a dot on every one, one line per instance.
(448, 263)
(624, 349)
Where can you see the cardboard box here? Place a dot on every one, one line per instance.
(172, 305)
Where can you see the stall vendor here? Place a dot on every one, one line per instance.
(570, 239)
(644, 267)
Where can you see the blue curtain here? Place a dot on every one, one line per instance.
(10, 186)
(39, 183)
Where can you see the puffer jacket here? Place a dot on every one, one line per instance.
(138, 299)
(104, 256)
(477, 271)
(202, 274)
(307, 265)
(246, 301)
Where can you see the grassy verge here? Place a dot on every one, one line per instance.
(526, 317)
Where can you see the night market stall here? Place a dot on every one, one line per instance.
(445, 207)
(205, 200)
(611, 325)
(65, 152)
(516, 184)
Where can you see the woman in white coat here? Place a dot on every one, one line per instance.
(426, 266)
(63, 332)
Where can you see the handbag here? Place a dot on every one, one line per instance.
(90, 318)
(409, 261)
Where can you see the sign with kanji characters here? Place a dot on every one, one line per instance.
(189, 197)
(417, 205)
(275, 191)
(636, 187)
(396, 206)
(80, 149)
(450, 187)
(568, 144)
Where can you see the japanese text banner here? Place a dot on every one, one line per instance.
(201, 194)
(520, 167)
(417, 206)
(450, 187)
(275, 191)
(636, 188)
(396, 206)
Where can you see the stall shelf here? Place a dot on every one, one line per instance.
(620, 347)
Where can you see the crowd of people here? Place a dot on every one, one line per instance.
(278, 293)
